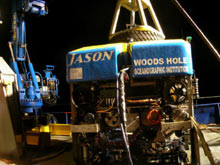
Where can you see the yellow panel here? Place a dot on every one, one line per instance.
(60, 129)
(54, 129)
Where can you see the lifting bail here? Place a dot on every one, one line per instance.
(142, 32)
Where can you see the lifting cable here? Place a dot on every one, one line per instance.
(198, 30)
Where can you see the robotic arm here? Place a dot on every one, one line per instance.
(31, 95)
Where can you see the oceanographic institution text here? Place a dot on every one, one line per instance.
(160, 65)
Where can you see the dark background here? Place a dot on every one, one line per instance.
(72, 24)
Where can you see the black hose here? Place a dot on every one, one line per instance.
(48, 157)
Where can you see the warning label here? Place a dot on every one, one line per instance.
(76, 73)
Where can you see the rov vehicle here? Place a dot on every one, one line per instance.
(132, 99)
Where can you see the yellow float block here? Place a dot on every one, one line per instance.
(54, 129)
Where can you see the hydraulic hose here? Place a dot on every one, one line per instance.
(31, 68)
(121, 105)
(15, 66)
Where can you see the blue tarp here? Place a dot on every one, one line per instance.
(148, 59)
(93, 63)
(161, 58)
(207, 113)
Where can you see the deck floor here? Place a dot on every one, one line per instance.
(212, 136)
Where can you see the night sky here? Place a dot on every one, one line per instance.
(72, 24)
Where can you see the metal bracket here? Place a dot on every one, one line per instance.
(85, 128)
(175, 126)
